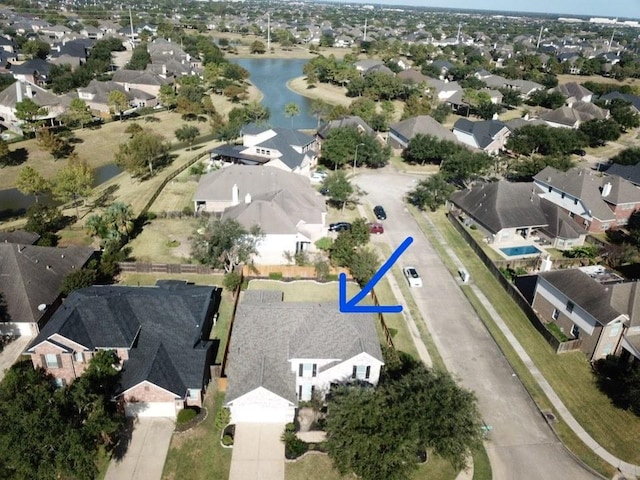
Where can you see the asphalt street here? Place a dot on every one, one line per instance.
(521, 445)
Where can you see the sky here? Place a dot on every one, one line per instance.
(600, 8)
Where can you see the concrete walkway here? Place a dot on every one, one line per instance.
(258, 452)
(627, 469)
(12, 352)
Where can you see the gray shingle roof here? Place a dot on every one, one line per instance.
(423, 124)
(584, 291)
(268, 333)
(162, 326)
(346, 121)
(628, 172)
(501, 205)
(19, 236)
(35, 275)
(573, 89)
(483, 131)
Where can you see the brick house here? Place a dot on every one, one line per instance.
(595, 202)
(160, 334)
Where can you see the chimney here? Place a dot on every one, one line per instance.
(18, 91)
(247, 198)
(234, 194)
(29, 91)
(606, 189)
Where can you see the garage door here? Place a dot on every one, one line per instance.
(262, 414)
(151, 409)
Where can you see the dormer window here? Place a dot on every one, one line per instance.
(307, 370)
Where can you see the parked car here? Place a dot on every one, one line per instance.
(412, 277)
(319, 176)
(580, 152)
(376, 228)
(339, 226)
(379, 212)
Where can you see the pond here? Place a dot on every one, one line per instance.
(11, 200)
(270, 76)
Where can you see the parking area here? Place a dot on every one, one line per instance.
(258, 452)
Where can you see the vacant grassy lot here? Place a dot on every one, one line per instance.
(402, 166)
(569, 374)
(304, 290)
(566, 78)
(164, 241)
(197, 454)
(178, 193)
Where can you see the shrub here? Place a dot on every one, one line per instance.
(151, 216)
(222, 418)
(186, 415)
(231, 281)
(324, 243)
(197, 169)
(293, 446)
(227, 440)
(275, 275)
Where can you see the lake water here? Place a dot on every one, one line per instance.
(12, 200)
(270, 76)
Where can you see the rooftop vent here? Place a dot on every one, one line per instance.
(42, 307)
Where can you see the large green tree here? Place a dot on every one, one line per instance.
(30, 182)
(30, 112)
(224, 243)
(599, 132)
(77, 114)
(628, 156)
(73, 181)
(145, 150)
(118, 102)
(431, 192)
(338, 188)
(187, 133)
(377, 434)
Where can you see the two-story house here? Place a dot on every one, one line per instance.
(595, 202)
(285, 352)
(487, 135)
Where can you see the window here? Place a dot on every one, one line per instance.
(575, 202)
(51, 359)
(78, 357)
(575, 331)
(607, 349)
(307, 370)
(570, 306)
(361, 372)
(550, 188)
(556, 314)
(60, 382)
(615, 329)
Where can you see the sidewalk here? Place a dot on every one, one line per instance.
(627, 469)
(12, 352)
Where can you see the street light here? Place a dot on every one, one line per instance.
(355, 157)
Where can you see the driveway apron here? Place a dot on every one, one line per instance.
(12, 352)
(258, 452)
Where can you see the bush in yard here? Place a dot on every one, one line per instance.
(231, 281)
(324, 243)
(186, 415)
(223, 417)
(293, 446)
(275, 275)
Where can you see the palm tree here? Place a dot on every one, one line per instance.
(291, 109)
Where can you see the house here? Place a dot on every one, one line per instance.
(634, 100)
(580, 307)
(287, 149)
(443, 89)
(574, 92)
(160, 334)
(595, 202)
(575, 115)
(281, 353)
(92, 32)
(363, 66)
(487, 135)
(96, 96)
(34, 71)
(54, 105)
(630, 173)
(353, 121)
(401, 133)
(36, 275)
(290, 212)
(145, 81)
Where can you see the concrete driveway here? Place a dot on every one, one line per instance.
(12, 352)
(144, 459)
(258, 452)
(521, 444)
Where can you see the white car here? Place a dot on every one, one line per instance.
(412, 277)
(319, 176)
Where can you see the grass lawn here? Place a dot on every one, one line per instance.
(569, 374)
(349, 214)
(177, 194)
(151, 278)
(221, 330)
(304, 290)
(197, 454)
(402, 166)
(164, 241)
(320, 467)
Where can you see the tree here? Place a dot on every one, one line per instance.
(623, 115)
(363, 265)
(258, 47)
(187, 133)
(224, 243)
(628, 156)
(431, 192)
(28, 111)
(545, 140)
(338, 188)
(144, 150)
(291, 110)
(85, 277)
(168, 96)
(30, 182)
(117, 102)
(113, 227)
(77, 114)
(441, 113)
(73, 181)
(36, 49)
(429, 149)
(133, 128)
(5, 153)
(378, 433)
(465, 166)
(525, 169)
(140, 58)
(550, 100)
(57, 146)
(599, 132)
(510, 97)
(43, 219)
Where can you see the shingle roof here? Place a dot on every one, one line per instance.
(268, 333)
(573, 89)
(502, 204)
(35, 275)
(19, 236)
(483, 131)
(560, 224)
(584, 291)
(346, 121)
(283, 140)
(139, 77)
(633, 99)
(162, 326)
(34, 65)
(423, 124)
(628, 172)
(44, 98)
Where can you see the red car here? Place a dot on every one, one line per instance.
(376, 228)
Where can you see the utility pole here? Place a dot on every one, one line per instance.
(268, 32)
(611, 41)
(131, 24)
(539, 37)
(458, 36)
(364, 39)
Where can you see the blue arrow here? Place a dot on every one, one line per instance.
(351, 306)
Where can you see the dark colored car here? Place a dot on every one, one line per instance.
(339, 226)
(580, 152)
(379, 212)
(376, 228)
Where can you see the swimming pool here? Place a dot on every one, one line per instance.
(516, 251)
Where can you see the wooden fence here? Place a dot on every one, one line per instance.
(287, 272)
(385, 329)
(177, 268)
(514, 293)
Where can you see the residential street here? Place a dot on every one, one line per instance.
(521, 445)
